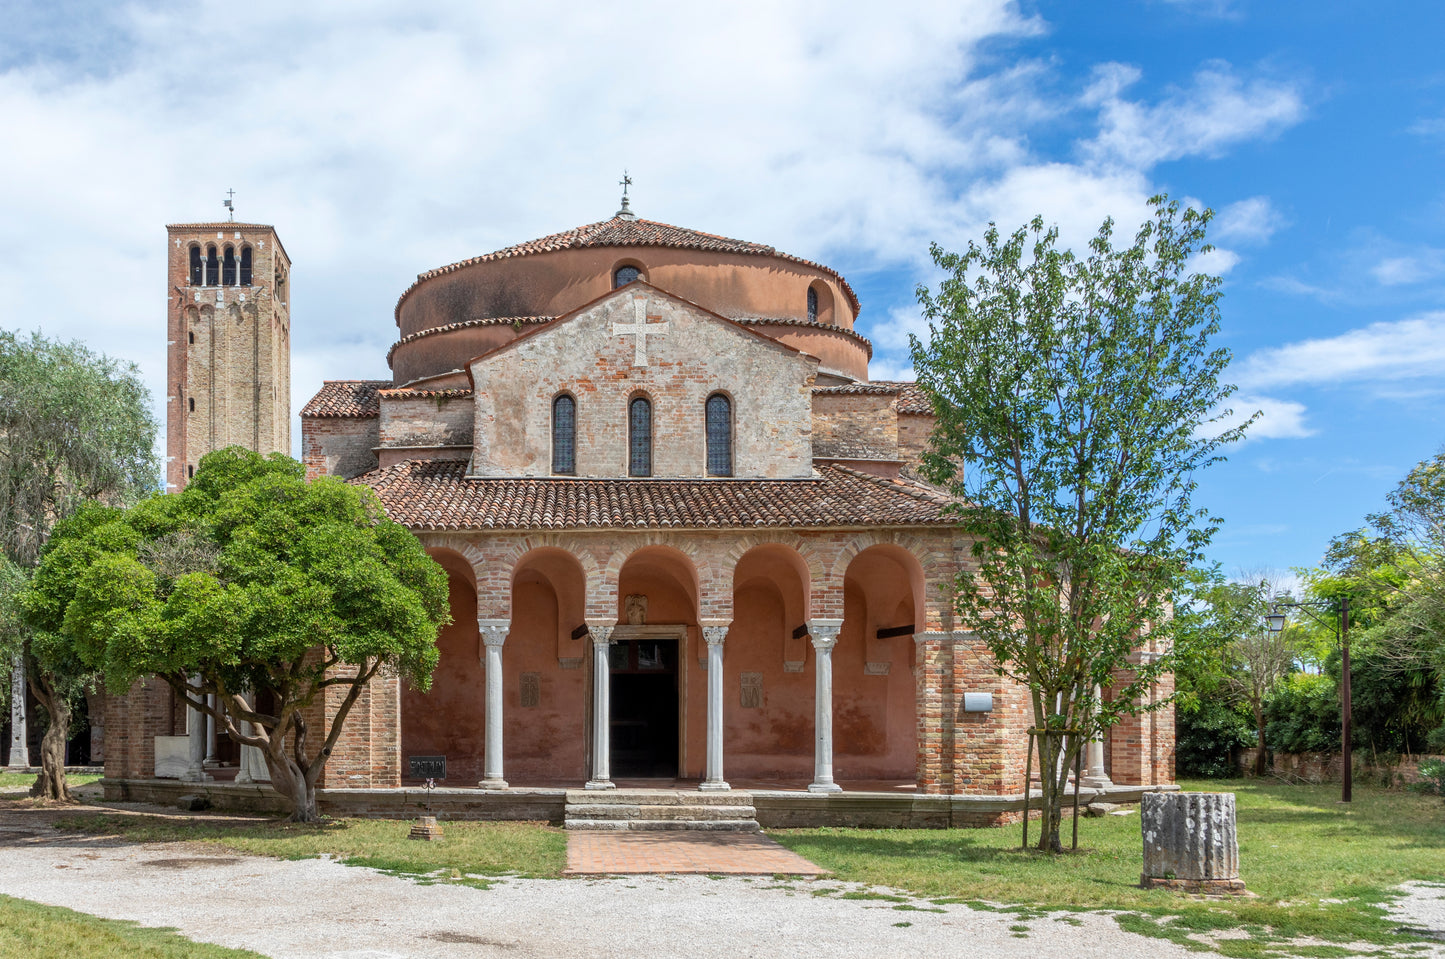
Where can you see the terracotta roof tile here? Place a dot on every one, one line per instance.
(860, 389)
(911, 399)
(437, 494)
(349, 398)
(405, 393)
(622, 231)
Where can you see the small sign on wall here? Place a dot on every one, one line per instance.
(427, 767)
(752, 691)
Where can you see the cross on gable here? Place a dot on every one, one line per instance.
(641, 330)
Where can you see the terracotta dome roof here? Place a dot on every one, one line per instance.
(629, 231)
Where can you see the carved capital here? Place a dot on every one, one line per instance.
(714, 635)
(825, 633)
(494, 631)
(601, 634)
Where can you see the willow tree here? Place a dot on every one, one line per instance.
(280, 597)
(75, 428)
(1077, 399)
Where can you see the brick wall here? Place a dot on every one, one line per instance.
(133, 720)
(426, 421)
(691, 355)
(913, 432)
(339, 446)
(847, 421)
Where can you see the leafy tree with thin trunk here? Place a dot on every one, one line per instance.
(281, 598)
(75, 428)
(1076, 400)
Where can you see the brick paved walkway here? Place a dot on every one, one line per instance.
(747, 854)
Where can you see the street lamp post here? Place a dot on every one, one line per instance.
(1275, 623)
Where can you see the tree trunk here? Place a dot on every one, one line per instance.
(291, 782)
(1052, 784)
(51, 783)
(1259, 756)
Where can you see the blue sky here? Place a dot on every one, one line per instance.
(383, 142)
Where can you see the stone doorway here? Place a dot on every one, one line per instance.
(644, 699)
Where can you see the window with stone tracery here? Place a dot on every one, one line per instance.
(639, 437)
(624, 276)
(564, 435)
(719, 435)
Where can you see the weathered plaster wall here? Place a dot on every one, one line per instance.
(426, 420)
(339, 446)
(689, 355)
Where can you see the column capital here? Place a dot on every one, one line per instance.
(714, 634)
(601, 633)
(825, 633)
(494, 631)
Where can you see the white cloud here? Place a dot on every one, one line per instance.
(1253, 220)
(1219, 110)
(1379, 353)
(1424, 264)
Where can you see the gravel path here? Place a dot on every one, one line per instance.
(319, 908)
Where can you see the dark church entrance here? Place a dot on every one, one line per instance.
(644, 708)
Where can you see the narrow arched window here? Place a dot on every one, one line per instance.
(624, 276)
(245, 266)
(192, 401)
(639, 437)
(719, 435)
(195, 266)
(564, 435)
(213, 266)
(812, 305)
(228, 267)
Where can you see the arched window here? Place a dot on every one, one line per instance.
(564, 435)
(639, 437)
(624, 276)
(812, 305)
(719, 435)
(192, 401)
(245, 266)
(195, 266)
(228, 267)
(213, 266)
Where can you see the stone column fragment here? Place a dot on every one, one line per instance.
(825, 637)
(196, 730)
(19, 750)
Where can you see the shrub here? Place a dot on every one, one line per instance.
(1206, 738)
(1303, 715)
(1432, 777)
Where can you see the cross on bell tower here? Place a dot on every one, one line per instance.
(229, 201)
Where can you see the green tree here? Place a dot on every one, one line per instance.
(1077, 398)
(75, 428)
(276, 595)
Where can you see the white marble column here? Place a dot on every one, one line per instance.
(713, 780)
(196, 730)
(210, 759)
(19, 750)
(252, 766)
(494, 634)
(1094, 776)
(601, 708)
(825, 637)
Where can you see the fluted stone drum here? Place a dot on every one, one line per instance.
(1190, 843)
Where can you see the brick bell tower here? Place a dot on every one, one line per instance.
(228, 351)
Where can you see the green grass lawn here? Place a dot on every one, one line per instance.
(1318, 868)
(469, 851)
(16, 785)
(28, 929)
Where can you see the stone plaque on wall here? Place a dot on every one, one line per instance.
(752, 694)
(531, 689)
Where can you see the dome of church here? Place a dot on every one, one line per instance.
(453, 313)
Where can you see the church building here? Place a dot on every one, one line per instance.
(686, 539)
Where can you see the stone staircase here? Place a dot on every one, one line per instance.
(659, 809)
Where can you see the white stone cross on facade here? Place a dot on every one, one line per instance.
(641, 330)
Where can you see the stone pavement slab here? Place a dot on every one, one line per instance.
(622, 852)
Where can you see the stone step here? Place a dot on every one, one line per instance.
(633, 811)
(657, 825)
(657, 797)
